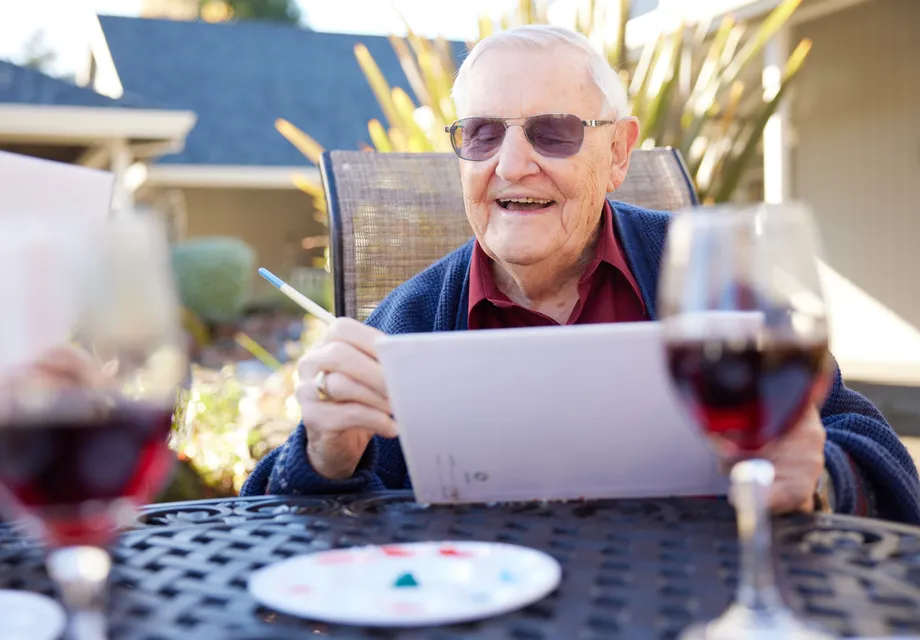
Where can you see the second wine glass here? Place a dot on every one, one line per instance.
(86, 405)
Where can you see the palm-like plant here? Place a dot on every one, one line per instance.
(687, 88)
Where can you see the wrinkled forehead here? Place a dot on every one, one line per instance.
(517, 81)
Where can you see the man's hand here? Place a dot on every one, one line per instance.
(340, 426)
(798, 461)
(70, 366)
(62, 369)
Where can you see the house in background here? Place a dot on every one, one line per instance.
(234, 175)
(50, 118)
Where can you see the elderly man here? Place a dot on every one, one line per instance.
(549, 249)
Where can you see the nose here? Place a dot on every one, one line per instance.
(515, 157)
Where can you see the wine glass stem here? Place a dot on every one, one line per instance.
(81, 575)
(757, 588)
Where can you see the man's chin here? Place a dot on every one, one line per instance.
(521, 256)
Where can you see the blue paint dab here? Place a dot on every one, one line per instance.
(505, 576)
(405, 580)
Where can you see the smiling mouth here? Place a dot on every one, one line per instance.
(524, 204)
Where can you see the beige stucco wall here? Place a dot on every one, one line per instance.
(856, 117)
(273, 222)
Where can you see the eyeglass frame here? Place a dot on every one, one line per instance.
(449, 129)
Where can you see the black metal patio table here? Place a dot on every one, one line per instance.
(631, 569)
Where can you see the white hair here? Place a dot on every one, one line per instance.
(543, 37)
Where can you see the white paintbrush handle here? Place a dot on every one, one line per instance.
(305, 303)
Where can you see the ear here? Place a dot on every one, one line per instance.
(624, 140)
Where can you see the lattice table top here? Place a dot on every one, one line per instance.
(631, 569)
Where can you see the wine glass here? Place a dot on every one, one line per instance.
(92, 359)
(746, 338)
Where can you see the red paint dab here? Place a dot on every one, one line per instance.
(454, 553)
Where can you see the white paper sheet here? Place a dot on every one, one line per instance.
(40, 256)
(543, 414)
(37, 187)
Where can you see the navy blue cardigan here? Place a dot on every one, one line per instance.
(863, 454)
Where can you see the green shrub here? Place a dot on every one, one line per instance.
(214, 276)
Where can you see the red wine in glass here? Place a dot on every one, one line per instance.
(745, 394)
(74, 474)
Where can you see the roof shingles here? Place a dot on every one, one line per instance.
(240, 77)
(21, 85)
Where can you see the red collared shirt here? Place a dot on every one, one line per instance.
(607, 291)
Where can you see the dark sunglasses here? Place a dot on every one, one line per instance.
(554, 135)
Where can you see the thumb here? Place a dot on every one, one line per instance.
(821, 389)
(784, 499)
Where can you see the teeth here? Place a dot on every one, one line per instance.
(527, 200)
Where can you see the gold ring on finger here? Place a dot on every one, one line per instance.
(321, 389)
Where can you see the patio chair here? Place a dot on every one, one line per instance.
(391, 215)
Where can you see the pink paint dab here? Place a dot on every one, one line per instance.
(397, 552)
(300, 590)
(407, 607)
(454, 553)
(344, 557)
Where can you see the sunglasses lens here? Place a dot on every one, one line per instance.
(553, 136)
(556, 136)
(478, 138)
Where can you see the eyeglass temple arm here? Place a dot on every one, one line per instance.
(587, 123)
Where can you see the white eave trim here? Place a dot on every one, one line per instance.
(227, 176)
(105, 64)
(670, 13)
(93, 124)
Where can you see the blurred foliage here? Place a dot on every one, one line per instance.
(37, 53)
(272, 10)
(223, 420)
(697, 88)
(314, 283)
(208, 437)
(212, 433)
(227, 420)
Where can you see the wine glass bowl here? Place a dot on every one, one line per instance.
(744, 321)
(79, 471)
(746, 392)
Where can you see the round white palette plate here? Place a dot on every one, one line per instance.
(30, 616)
(407, 585)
